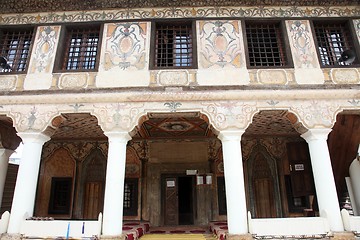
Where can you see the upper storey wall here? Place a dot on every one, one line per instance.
(125, 55)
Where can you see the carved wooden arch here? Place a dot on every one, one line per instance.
(93, 170)
(293, 117)
(133, 163)
(57, 119)
(8, 136)
(271, 172)
(60, 163)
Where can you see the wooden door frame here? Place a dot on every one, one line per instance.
(163, 177)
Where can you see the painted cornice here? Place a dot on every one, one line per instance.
(352, 93)
(180, 12)
(33, 6)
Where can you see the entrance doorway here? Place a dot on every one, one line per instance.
(178, 199)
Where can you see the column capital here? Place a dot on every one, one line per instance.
(231, 135)
(316, 134)
(118, 136)
(36, 137)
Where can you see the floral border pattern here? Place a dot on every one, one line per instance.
(174, 12)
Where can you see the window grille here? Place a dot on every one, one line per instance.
(265, 45)
(173, 46)
(130, 197)
(15, 48)
(127, 195)
(332, 39)
(82, 48)
(61, 189)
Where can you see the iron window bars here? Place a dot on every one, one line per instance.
(173, 46)
(265, 44)
(81, 48)
(15, 48)
(130, 197)
(333, 38)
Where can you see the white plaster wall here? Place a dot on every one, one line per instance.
(223, 77)
(118, 78)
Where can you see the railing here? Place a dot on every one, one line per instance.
(351, 223)
(4, 222)
(62, 228)
(314, 227)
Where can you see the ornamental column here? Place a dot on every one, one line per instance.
(323, 177)
(4, 162)
(114, 186)
(26, 182)
(234, 181)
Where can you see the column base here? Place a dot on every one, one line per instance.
(11, 236)
(343, 236)
(239, 237)
(112, 237)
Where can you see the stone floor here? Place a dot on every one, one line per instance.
(177, 236)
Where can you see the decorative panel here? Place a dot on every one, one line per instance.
(8, 82)
(345, 76)
(44, 49)
(173, 78)
(272, 76)
(357, 28)
(125, 46)
(302, 44)
(220, 44)
(73, 80)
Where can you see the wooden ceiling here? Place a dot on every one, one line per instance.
(343, 143)
(157, 126)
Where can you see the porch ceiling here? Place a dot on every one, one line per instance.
(186, 126)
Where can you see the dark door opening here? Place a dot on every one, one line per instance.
(186, 200)
(178, 200)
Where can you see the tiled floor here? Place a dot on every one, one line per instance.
(184, 236)
(180, 229)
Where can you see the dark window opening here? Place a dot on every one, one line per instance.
(131, 197)
(60, 196)
(296, 204)
(332, 40)
(15, 48)
(221, 195)
(174, 46)
(265, 45)
(81, 48)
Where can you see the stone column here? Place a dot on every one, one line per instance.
(4, 162)
(354, 172)
(323, 177)
(234, 181)
(26, 182)
(114, 186)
